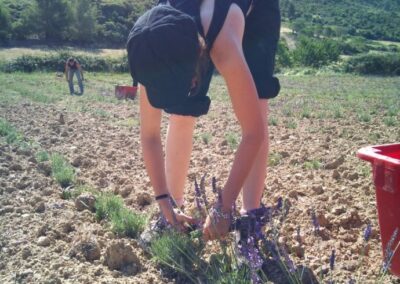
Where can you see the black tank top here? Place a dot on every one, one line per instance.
(192, 8)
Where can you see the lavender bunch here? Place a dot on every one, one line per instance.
(250, 252)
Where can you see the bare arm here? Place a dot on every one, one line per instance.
(153, 155)
(227, 55)
(66, 71)
(150, 135)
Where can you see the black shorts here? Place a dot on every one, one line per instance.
(260, 43)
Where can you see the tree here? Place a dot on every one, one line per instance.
(85, 24)
(27, 24)
(55, 19)
(291, 11)
(5, 26)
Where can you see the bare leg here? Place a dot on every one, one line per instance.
(177, 154)
(254, 184)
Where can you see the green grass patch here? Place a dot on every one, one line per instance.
(206, 138)
(177, 252)
(390, 121)
(9, 132)
(364, 117)
(123, 221)
(312, 165)
(274, 159)
(127, 223)
(273, 121)
(42, 156)
(233, 140)
(291, 124)
(61, 170)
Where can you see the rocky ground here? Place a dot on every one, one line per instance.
(46, 239)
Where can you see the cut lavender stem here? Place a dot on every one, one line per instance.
(332, 260)
(367, 232)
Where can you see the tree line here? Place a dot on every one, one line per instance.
(371, 19)
(103, 22)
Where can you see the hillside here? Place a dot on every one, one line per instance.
(107, 22)
(372, 19)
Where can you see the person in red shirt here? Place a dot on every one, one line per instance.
(72, 67)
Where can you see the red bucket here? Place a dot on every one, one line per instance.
(125, 92)
(385, 160)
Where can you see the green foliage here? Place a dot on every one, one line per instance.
(127, 223)
(374, 64)
(206, 138)
(283, 55)
(354, 45)
(55, 18)
(274, 159)
(9, 132)
(85, 25)
(80, 21)
(312, 165)
(316, 52)
(123, 221)
(232, 139)
(5, 26)
(372, 19)
(61, 170)
(176, 251)
(42, 156)
(56, 62)
(107, 204)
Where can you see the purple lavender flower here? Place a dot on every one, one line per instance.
(214, 185)
(203, 190)
(251, 253)
(298, 236)
(367, 232)
(315, 221)
(279, 204)
(292, 268)
(332, 260)
(351, 281)
(197, 195)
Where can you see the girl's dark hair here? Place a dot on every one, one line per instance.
(202, 62)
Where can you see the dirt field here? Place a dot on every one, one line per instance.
(316, 126)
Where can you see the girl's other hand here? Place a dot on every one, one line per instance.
(217, 224)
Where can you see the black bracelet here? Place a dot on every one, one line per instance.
(162, 196)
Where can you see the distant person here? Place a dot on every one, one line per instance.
(73, 67)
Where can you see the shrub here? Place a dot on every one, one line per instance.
(9, 132)
(123, 221)
(374, 64)
(283, 56)
(61, 170)
(316, 52)
(354, 46)
(42, 156)
(56, 62)
(127, 223)
(107, 204)
(176, 251)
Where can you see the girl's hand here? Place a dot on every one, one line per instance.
(175, 217)
(217, 224)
